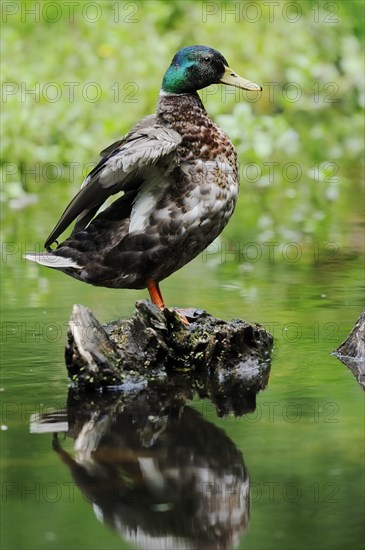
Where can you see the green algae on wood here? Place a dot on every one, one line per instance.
(154, 345)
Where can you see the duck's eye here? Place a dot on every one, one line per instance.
(206, 58)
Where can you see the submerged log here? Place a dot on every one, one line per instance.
(352, 351)
(155, 345)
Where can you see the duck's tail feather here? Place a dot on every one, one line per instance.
(52, 260)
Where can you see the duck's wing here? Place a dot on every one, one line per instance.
(145, 122)
(123, 168)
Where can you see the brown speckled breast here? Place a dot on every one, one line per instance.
(202, 139)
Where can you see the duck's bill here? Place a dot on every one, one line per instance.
(233, 79)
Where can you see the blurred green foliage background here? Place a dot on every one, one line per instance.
(77, 78)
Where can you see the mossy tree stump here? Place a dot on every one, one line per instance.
(154, 346)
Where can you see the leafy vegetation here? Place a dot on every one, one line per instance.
(84, 75)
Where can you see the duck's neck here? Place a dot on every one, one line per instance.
(175, 109)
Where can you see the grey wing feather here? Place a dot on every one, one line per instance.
(121, 169)
(149, 120)
(145, 148)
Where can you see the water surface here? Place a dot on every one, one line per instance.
(300, 449)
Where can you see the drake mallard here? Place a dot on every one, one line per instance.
(179, 177)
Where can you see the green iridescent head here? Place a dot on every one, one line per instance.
(197, 67)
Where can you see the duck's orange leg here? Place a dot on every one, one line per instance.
(156, 298)
(155, 293)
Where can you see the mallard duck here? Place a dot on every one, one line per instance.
(178, 175)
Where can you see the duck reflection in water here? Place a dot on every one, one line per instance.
(157, 472)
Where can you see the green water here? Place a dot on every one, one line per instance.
(302, 446)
